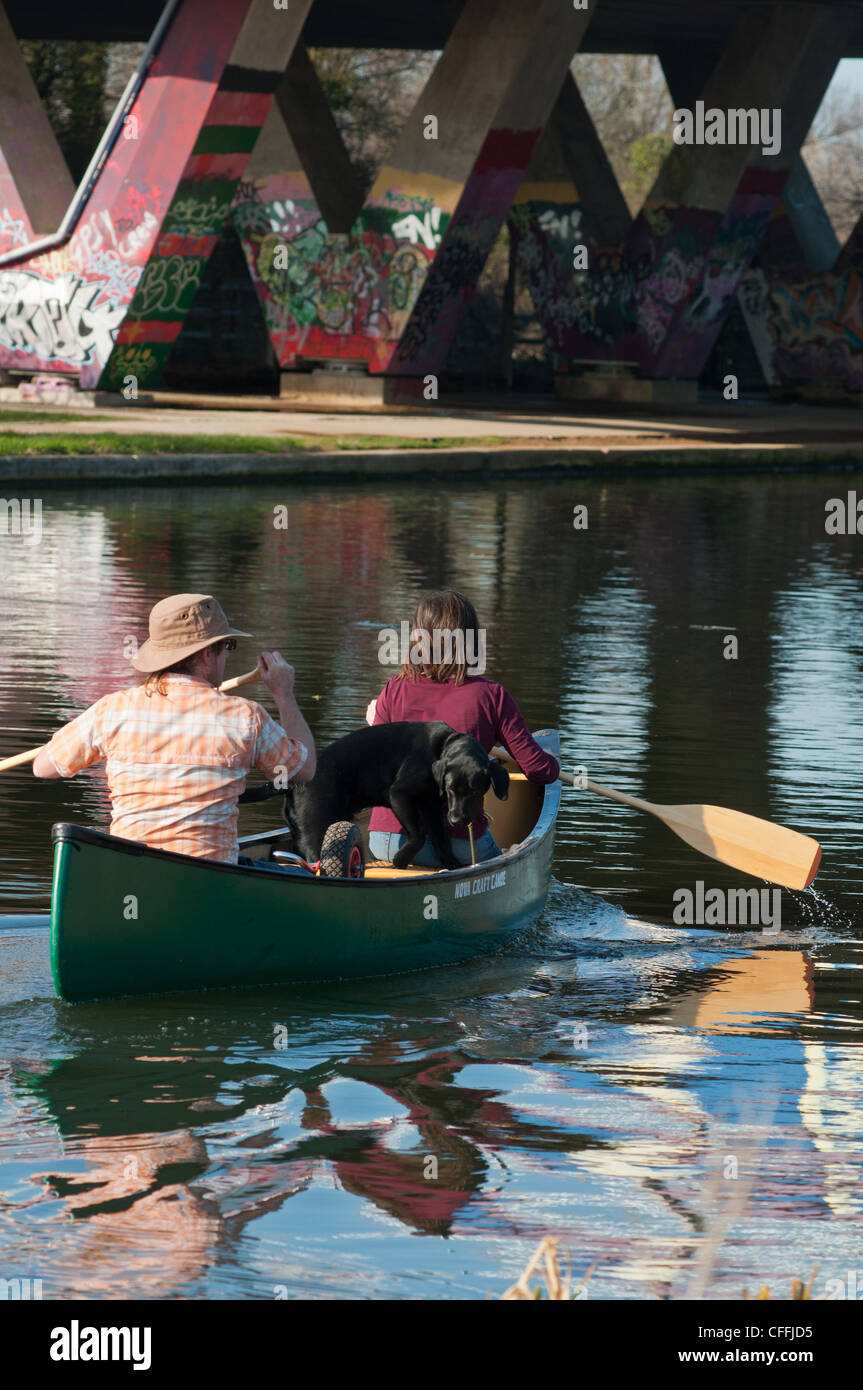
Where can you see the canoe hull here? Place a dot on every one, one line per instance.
(128, 920)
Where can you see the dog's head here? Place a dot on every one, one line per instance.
(464, 772)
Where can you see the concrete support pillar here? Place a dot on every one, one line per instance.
(789, 67)
(570, 197)
(302, 112)
(809, 330)
(61, 310)
(299, 187)
(799, 237)
(706, 214)
(35, 185)
(492, 94)
(629, 313)
(813, 229)
(253, 62)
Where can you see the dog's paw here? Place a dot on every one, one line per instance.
(402, 858)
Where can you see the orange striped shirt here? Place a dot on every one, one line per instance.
(176, 763)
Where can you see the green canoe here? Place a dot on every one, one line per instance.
(129, 920)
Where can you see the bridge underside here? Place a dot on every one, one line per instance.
(617, 26)
(226, 124)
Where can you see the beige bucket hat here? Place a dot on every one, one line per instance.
(180, 626)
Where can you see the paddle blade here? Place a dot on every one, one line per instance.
(754, 846)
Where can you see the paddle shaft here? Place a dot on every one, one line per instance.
(572, 781)
(233, 684)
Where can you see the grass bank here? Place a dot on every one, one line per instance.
(16, 444)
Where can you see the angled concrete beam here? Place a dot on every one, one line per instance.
(288, 200)
(225, 138)
(308, 121)
(108, 303)
(706, 214)
(570, 196)
(35, 184)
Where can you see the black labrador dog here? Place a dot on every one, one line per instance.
(414, 767)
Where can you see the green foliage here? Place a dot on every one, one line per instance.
(370, 92)
(70, 78)
(646, 155)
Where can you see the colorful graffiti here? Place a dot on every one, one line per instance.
(167, 286)
(325, 294)
(13, 231)
(815, 330)
(62, 319)
(658, 301)
(720, 276)
(64, 309)
(191, 228)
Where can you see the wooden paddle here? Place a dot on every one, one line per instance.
(233, 684)
(755, 846)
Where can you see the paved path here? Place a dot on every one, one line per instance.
(735, 426)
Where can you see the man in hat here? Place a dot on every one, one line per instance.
(177, 751)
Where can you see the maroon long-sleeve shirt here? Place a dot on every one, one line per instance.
(478, 707)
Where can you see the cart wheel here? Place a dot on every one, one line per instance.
(341, 852)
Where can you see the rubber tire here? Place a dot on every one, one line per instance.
(341, 852)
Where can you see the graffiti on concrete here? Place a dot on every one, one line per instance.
(65, 308)
(63, 319)
(807, 330)
(329, 294)
(13, 231)
(414, 229)
(596, 308)
(169, 281)
(817, 330)
(661, 299)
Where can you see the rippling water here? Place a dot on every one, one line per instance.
(681, 1107)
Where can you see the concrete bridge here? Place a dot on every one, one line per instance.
(226, 117)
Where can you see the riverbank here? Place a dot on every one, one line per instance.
(209, 442)
(48, 470)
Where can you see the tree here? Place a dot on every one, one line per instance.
(628, 100)
(371, 92)
(70, 78)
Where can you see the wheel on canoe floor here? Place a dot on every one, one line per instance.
(341, 852)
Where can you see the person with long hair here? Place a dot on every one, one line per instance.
(436, 682)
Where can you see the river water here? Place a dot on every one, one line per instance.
(680, 1106)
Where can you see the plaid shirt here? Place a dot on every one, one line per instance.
(176, 763)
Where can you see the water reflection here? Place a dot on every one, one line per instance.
(594, 1091)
